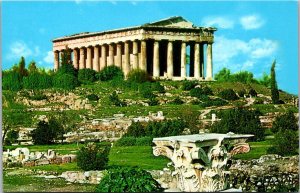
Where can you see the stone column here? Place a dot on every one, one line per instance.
(170, 60)
(119, 55)
(75, 58)
(89, 57)
(56, 60)
(103, 57)
(96, 59)
(82, 58)
(143, 64)
(126, 68)
(196, 61)
(135, 55)
(201, 61)
(110, 55)
(156, 59)
(183, 60)
(209, 69)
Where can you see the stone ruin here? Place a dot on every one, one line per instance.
(23, 157)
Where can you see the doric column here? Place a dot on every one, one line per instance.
(75, 58)
(103, 57)
(209, 69)
(96, 59)
(56, 60)
(110, 55)
(89, 57)
(119, 55)
(201, 61)
(135, 55)
(156, 59)
(183, 60)
(170, 60)
(196, 61)
(126, 68)
(143, 64)
(82, 58)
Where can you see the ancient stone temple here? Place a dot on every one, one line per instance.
(171, 48)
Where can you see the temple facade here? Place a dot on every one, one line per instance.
(171, 48)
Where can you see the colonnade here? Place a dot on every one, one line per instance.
(130, 55)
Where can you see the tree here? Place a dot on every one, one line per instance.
(274, 88)
(32, 67)
(265, 80)
(86, 76)
(21, 68)
(286, 121)
(223, 75)
(6, 126)
(66, 56)
(110, 73)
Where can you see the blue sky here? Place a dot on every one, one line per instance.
(250, 34)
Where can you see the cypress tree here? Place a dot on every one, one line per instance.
(274, 88)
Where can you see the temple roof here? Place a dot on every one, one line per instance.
(175, 22)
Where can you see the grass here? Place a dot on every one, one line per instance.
(58, 168)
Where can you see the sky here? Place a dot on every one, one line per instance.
(250, 35)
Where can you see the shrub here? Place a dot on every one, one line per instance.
(136, 129)
(195, 102)
(199, 92)
(214, 102)
(156, 86)
(138, 76)
(67, 69)
(240, 121)
(259, 101)
(11, 81)
(38, 97)
(86, 76)
(126, 141)
(148, 94)
(92, 157)
(188, 85)
(286, 121)
(286, 143)
(11, 137)
(252, 92)
(110, 73)
(65, 81)
(38, 81)
(92, 97)
(128, 179)
(228, 94)
(241, 93)
(114, 99)
(177, 101)
(144, 141)
(153, 102)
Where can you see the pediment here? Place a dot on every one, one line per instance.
(177, 21)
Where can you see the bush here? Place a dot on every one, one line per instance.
(148, 94)
(228, 94)
(199, 92)
(114, 99)
(252, 92)
(65, 81)
(86, 76)
(259, 101)
(92, 97)
(126, 141)
(138, 76)
(38, 97)
(177, 101)
(156, 86)
(11, 81)
(144, 141)
(92, 157)
(11, 137)
(286, 143)
(240, 121)
(38, 81)
(153, 102)
(110, 73)
(214, 102)
(286, 121)
(188, 85)
(241, 93)
(128, 179)
(136, 129)
(67, 69)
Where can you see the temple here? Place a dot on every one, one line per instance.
(171, 48)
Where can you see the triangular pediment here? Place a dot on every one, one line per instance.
(176, 21)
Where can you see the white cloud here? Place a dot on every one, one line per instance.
(78, 1)
(49, 58)
(252, 22)
(133, 2)
(220, 22)
(239, 55)
(19, 48)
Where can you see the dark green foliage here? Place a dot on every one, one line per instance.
(224, 75)
(190, 119)
(46, 132)
(153, 102)
(177, 101)
(32, 67)
(228, 94)
(11, 137)
(21, 68)
(38, 96)
(286, 143)
(138, 76)
(11, 81)
(38, 80)
(65, 81)
(156, 86)
(144, 141)
(199, 92)
(92, 97)
(259, 101)
(274, 88)
(86, 76)
(265, 80)
(110, 73)
(126, 141)
(136, 129)
(240, 121)
(188, 85)
(128, 179)
(285, 121)
(114, 99)
(66, 69)
(241, 93)
(92, 157)
(66, 57)
(252, 92)
(214, 102)
(148, 94)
